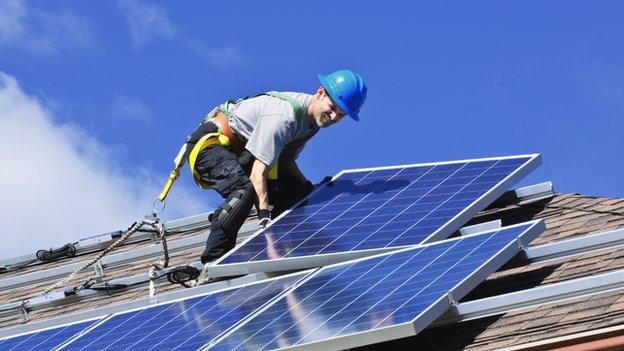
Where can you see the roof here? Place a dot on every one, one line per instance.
(567, 216)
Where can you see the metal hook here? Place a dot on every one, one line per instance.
(156, 211)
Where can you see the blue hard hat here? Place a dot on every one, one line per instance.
(347, 89)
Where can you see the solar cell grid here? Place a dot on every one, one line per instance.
(44, 340)
(183, 325)
(404, 290)
(377, 209)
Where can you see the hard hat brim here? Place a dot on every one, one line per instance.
(332, 93)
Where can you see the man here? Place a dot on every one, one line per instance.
(240, 143)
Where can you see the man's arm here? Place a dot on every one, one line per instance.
(258, 178)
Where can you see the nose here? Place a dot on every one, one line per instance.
(336, 116)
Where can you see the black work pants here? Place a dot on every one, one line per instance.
(219, 167)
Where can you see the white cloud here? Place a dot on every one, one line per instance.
(42, 31)
(127, 108)
(149, 23)
(59, 184)
(12, 14)
(228, 56)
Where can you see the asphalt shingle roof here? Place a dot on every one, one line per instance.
(566, 216)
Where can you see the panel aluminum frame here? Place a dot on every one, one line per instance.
(475, 309)
(428, 316)
(96, 320)
(534, 297)
(231, 269)
(575, 246)
(302, 275)
(125, 306)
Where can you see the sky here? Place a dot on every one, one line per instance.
(96, 97)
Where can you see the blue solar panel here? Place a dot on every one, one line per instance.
(181, 325)
(46, 339)
(381, 298)
(364, 211)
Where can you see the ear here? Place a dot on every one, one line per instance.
(320, 92)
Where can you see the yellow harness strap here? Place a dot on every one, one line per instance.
(174, 174)
(204, 142)
(212, 139)
(273, 172)
(172, 178)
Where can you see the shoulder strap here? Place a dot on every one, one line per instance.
(224, 107)
(295, 104)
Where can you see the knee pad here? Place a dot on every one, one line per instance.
(233, 212)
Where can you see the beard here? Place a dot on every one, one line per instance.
(322, 120)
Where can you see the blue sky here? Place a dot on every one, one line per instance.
(99, 95)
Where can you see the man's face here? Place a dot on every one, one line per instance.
(326, 112)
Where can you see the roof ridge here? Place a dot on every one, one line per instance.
(577, 208)
(590, 196)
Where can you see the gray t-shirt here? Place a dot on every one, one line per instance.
(270, 126)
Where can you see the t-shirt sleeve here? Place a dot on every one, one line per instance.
(269, 136)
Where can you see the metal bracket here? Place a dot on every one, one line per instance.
(481, 227)
(525, 195)
(451, 299)
(99, 270)
(23, 313)
(521, 246)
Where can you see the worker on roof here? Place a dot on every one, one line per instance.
(246, 151)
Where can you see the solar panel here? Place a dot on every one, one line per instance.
(45, 340)
(381, 298)
(365, 212)
(183, 325)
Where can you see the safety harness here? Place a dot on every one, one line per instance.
(224, 137)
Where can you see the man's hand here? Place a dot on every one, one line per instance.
(325, 180)
(265, 218)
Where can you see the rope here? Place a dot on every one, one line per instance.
(163, 239)
(159, 265)
(151, 221)
(133, 228)
(182, 275)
